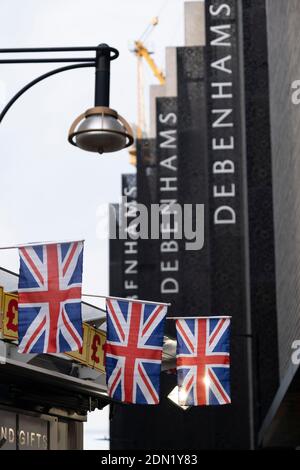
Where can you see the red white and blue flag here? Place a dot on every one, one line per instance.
(133, 349)
(49, 302)
(203, 361)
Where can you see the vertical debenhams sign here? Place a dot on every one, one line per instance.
(227, 160)
(167, 148)
(222, 58)
(130, 245)
(227, 200)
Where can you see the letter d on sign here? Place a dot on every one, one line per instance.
(225, 215)
(169, 286)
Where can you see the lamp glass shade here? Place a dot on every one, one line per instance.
(100, 133)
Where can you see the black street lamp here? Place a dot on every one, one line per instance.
(99, 129)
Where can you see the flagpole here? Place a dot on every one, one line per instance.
(24, 245)
(126, 299)
(199, 318)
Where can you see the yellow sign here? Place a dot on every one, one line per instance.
(10, 317)
(96, 349)
(1, 302)
(91, 353)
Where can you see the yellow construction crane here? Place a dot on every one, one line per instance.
(141, 52)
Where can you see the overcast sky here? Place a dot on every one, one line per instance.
(49, 189)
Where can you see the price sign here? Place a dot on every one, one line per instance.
(10, 317)
(96, 349)
(1, 305)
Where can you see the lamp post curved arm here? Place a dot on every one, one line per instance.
(101, 129)
(39, 79)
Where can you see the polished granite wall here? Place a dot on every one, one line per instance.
(283, 19)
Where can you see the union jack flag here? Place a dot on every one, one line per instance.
(49, 302)
(203, 361)
(134, 350)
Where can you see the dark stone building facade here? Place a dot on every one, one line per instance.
(236, 153)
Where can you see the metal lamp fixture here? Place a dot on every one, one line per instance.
(99, 129)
